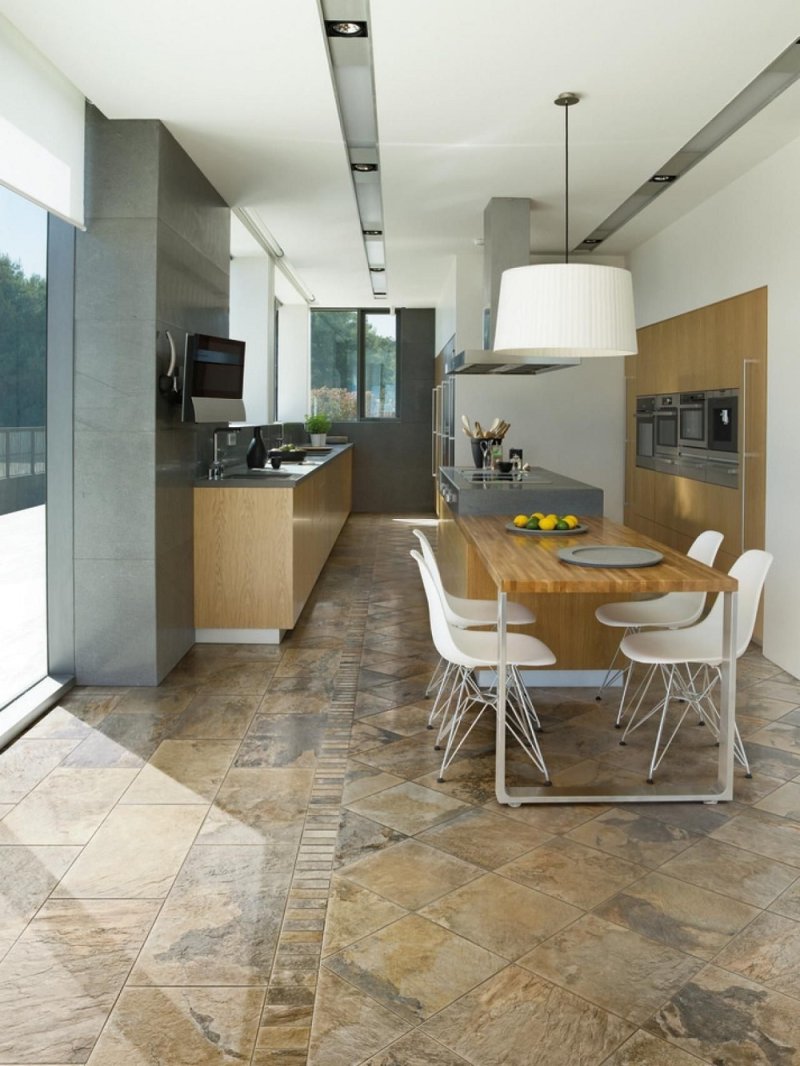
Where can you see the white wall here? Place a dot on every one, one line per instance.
(745, 237)
(460, 307)
(251, 320)
(293, 356)
(571, 421)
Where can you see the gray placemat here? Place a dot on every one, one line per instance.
(610, 556)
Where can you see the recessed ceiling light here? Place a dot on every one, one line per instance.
(364, 168)
(378, 270)
(664, 178)
(592, 240)
(334, 28)
(372, 232)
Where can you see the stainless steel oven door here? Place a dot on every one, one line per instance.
(666, 425)
(692, 420)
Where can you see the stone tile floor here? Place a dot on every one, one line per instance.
(255, 863)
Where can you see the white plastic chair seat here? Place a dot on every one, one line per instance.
(674, 609)
(661, 647)
(484, 612)
(479, 649)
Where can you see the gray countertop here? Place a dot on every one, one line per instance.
(286, 477)
(469, 491)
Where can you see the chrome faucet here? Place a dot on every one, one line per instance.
(217, 468)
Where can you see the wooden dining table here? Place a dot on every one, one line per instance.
(519, 563)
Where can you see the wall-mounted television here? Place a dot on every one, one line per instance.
(213, 379)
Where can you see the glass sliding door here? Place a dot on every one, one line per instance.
(23, 396)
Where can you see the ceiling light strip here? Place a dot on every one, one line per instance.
(254, 224)
(762, 90)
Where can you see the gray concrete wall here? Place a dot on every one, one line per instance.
(154, 256)
(392, 459)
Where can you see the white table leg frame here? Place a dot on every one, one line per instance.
(688, 792)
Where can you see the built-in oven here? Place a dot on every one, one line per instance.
(692, 420)
(645, 430)
(722, 415)
(666, 424)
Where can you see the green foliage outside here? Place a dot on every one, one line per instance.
(23, 343)
(334, 367)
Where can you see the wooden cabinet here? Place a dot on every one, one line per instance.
(723, 345)
(258, 551)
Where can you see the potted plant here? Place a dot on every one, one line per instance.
(318, 426)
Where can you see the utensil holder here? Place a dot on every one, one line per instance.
(477, 451)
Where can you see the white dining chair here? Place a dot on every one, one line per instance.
(467, 651)
(463, 614)
(690, 659)
(670, 611)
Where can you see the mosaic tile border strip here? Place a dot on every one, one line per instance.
(285, 1029)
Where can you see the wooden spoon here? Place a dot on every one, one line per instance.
(465, 425)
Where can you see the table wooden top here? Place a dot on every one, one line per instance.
(519, 563)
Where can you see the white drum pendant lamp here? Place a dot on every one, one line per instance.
(566, 309)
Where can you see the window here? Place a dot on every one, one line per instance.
(23, 360)
(354, 364)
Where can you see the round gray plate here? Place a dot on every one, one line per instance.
(547, 532)
(610, 556)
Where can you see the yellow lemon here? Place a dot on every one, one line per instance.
(548, 523)
(521, 520)
(537, 514)
(571, 520)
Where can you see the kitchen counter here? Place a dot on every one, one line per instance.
(470, 491)
(260, 542)
(286, 477)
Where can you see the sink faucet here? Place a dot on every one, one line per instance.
(217, 468)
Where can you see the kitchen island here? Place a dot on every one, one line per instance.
(261, 538)
(566, 623)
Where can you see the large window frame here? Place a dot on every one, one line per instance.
(363, 314)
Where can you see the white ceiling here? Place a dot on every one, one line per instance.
(464, 94)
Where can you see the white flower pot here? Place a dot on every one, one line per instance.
(318, 439)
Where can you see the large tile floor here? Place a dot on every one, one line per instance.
(255, 864)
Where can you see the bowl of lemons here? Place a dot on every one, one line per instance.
(539, 523)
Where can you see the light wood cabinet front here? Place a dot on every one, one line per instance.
(258, 552)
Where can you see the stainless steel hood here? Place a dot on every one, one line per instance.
(478, 361)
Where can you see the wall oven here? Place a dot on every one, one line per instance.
(722, 413)
(692, 420)
(666, 424)
(645, 431)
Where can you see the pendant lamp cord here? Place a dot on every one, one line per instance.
(566, 184)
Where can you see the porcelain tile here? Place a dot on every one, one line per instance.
(410, 873)
(414, 967)
(359, 837)
(416, 1049)
(482, 837)
(721, 1017)
(407, 807)
(219, 924)
(216, 716)
(615, 968)
(61, 978)
(183, 771)
(645, 1050)
(572, 872)
(27, 763)
(362, 780)
(764, 834)
(354, 912)
(500, 915)
(501, 1020)
(282, 740)
(788, 903)
(683, 916)
(349, 1025)
(768, 952)
(633, 837)
(66, 808)
(135, 854)
(29, 875)
(262, 807)
(732, 871)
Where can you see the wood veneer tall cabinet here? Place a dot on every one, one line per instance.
(720, 346)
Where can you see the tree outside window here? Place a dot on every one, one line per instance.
(354, 364)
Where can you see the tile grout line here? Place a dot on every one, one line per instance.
(285, 1030)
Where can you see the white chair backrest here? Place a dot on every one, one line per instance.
(440, 630)
(704, 548)
(750, 570)
(452, 616)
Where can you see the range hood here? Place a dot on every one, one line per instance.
(480, 361)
